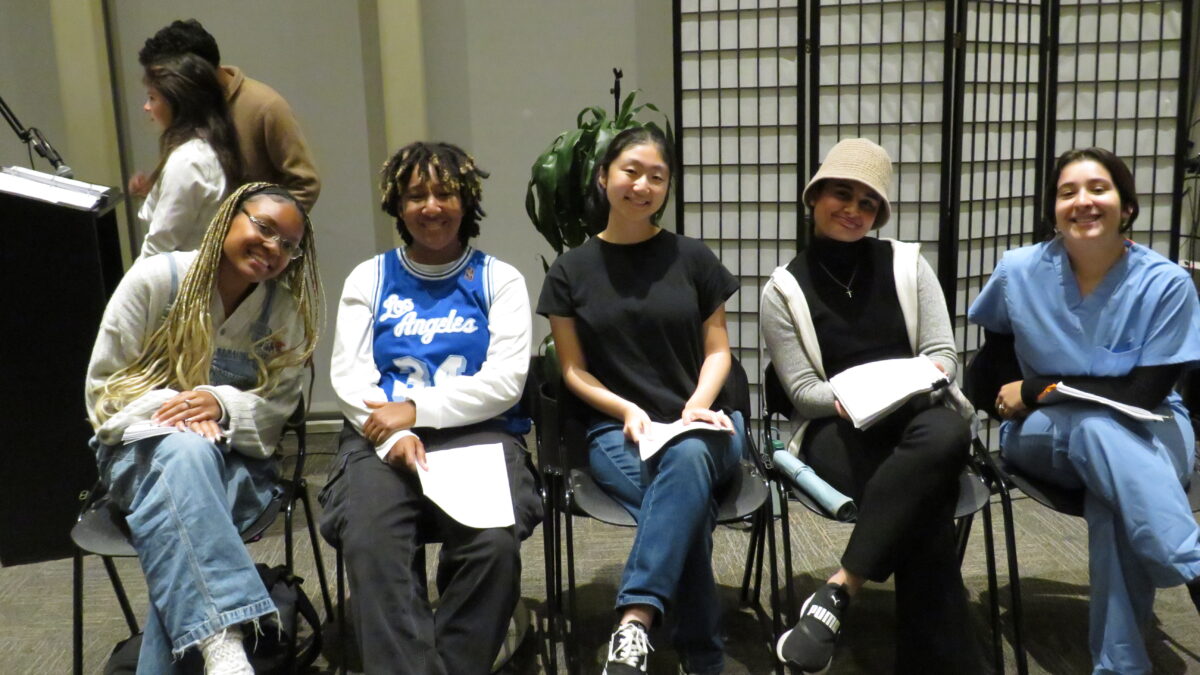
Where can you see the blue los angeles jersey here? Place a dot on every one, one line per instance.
(432, 328)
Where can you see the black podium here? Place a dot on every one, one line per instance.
(58, 266)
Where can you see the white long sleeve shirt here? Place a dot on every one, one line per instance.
(254, 423)
(452, 401)
(183, 200)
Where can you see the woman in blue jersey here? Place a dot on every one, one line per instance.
(431, 352)
(638, 315)
(1105, 315)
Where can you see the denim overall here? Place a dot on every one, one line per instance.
(199, 574)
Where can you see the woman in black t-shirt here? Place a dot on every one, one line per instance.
(848, 300)
(638, 320)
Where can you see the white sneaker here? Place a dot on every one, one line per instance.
(224, 653)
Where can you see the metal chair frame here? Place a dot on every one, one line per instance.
(974, 496)
(569, 491)
(101, 530)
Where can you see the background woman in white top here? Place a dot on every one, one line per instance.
(198, 157)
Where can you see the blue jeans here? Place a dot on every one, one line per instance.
(672, 498)
(1141, 532)
(187, 501)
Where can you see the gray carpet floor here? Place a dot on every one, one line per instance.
(35, 600)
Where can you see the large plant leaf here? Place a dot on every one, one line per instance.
(562, 175)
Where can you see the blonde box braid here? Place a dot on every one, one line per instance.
(178, 354)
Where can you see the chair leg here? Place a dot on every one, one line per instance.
(572, 649)
(789, 600)
(776, 627)
(302, 491)
(1014, 580)
(77, 612)
(766, 524)
(989, 543)
(549, 546)
(753, 555)
(122, 599)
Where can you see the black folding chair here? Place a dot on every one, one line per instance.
(1004, 478)
(101, 530)
(973, 497)
(570, 491)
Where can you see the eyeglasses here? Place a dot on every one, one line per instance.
(267, 231)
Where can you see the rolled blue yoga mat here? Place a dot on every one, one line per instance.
(835, 503)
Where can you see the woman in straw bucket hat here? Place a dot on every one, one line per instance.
(847, 300)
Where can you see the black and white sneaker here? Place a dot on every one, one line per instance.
(628, 650)
(808, 646)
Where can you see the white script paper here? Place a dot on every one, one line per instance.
(660, 433)
(871, 391)
(470, 484)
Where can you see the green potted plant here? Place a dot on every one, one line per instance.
(561, 177)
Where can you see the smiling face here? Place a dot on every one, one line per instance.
(636, 183)
(1087, 205)
(157, 107)
(844, 210)
(249, 254)
(432, 214)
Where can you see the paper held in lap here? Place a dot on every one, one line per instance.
(873, 390)
(470, 484)
(145, 429)
(1059, 393)
(660, 433)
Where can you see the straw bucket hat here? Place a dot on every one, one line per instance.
(862, 161)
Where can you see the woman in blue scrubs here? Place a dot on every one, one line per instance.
(1102, 314)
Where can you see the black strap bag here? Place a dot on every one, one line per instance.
(268, 650)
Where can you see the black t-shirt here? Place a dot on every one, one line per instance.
(866, 325)
(638, 310)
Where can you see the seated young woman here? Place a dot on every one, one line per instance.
(430, 353)
(1096, 311)
(205, 350)
(638, 319)
(847, 300)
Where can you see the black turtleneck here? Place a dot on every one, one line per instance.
(866, 325)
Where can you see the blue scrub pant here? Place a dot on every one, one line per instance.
(672, 498)
(1141, 532)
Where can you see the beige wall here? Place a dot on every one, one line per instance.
(502, 79)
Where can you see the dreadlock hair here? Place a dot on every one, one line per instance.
(449, 164)
(190, 87)
(178, 354)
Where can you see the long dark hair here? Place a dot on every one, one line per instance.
(454, 168)
(596, 200)
(189, 85)
(1121, 175)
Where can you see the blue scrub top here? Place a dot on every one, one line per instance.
(1144, 313)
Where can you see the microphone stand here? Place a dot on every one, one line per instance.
(33, 138)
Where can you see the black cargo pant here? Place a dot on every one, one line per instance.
(903, 474)
(380, 519)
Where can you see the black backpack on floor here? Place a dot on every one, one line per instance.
(267, 650)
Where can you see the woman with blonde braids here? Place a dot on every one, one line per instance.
(197, 364)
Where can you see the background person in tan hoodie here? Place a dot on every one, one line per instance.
(272, 145)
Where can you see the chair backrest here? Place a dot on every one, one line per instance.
(986, 371)
(775, 397)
